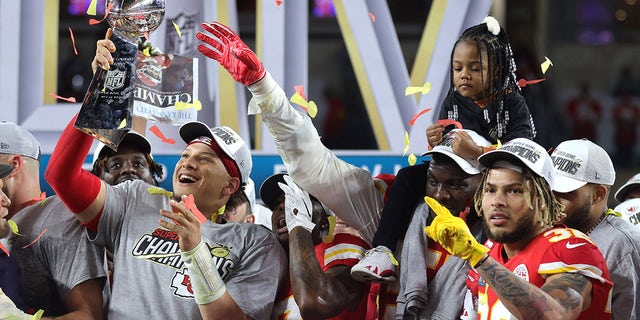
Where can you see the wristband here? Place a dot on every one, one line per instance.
(481, 261)
(205, 280)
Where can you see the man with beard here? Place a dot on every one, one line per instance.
(532, 269)
(50, 240)
(584, 175)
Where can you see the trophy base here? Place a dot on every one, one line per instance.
(111, 138)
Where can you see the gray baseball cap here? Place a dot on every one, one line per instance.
(16, 140)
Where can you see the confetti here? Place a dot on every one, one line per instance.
(14, 227)
(146, 52)
(2, 247)
(73, 41)
(448, 122)
(158, 190)
(278, 2)
(310, 107)
(412, 159)
(175, 25)
(423, 90)
(156, 131)
(190, 203)
(91, 10)
(545, 65)
(184, 105)
(417, 115)
(407, 143)
(373, 18)
(70, 99)
(123, 124)
(106, 14)
(523, 83)
(300, 90)
(36, 239)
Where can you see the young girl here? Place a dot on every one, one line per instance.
(484, 95)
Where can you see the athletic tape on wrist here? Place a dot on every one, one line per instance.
(205, 280)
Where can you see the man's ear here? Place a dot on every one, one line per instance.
(231, 186)
(250, 219)
(600, 193)
(17, 163)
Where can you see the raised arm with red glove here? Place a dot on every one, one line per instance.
(231, 52)
(77, 188)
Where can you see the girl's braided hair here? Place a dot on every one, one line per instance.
(489, 36)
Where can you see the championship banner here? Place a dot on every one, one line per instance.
(164, 88)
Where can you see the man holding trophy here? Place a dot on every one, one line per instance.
(170, 258)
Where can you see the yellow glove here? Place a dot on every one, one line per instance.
(453, 234)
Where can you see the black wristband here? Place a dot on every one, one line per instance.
(481, 261)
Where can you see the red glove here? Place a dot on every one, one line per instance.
(231, 52)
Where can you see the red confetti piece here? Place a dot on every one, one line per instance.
(155, 130)
(373, 18)
(70, 99)
(73, 41)
(417, 115)
(523, 83)
(106, 14)
(278, 2)
(190, 203)
(448, 122)
(4, 249)
(300, 90)
(36, 239)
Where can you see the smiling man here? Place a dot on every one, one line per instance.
(193, 268)
(133, 160)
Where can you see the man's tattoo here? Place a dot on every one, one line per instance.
(572, 285)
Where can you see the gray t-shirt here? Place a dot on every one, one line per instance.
(61, 259)
(149, 278)
(619, 242)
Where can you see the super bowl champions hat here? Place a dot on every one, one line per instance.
(578, 162)
(227, 139)
(445, 147)
(630, 211)
(522, 151)
(634, 182)
(16, 140)
(5, 170)
(131, 138)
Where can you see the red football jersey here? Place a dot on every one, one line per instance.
(555, 251)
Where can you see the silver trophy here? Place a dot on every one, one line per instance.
(107, 107)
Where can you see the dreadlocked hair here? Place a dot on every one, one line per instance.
(501, 66)
(156, 168)
(536, 189)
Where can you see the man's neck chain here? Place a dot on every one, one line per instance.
(604, 215)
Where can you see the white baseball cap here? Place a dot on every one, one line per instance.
(633, 182)
(630, 210)
(228, 140)
(130, 138)
(522, 151)
(14, 139)
(445, 147)
(578, 162)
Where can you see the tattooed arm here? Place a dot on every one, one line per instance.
(319, 294)
(563, 296)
